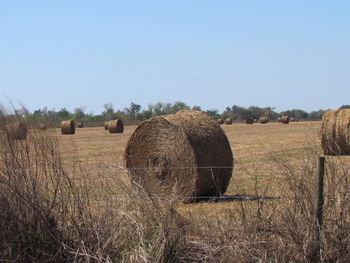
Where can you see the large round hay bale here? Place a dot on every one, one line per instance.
(263, 120)
(16, 131)
(335, 132)
(186, 154)
(249, 120)
(106, 125)
(284, 119)
(68, 127)
(228, 121)
(115, 126)
(220, 121)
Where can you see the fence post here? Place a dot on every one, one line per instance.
(319, 206)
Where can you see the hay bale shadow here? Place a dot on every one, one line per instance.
(232, 198)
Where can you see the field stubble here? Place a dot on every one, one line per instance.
(70, 200)
(258, 153)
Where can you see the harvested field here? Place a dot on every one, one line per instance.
(248, 144)
(258, 153)
(253, 150)
(274, 170)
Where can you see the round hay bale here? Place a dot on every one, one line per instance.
(335, 132)
(68, 127)
(292, 119)
(279, 119)
(186, 154)
(115, 126)
(228, 121)
(284, 119)
(106, 125)
(16, 131)
(42, 126)
(220, 121)
(80, 125)
(263, 120)
(250, 120)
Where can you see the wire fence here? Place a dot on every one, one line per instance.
(243, 185)
(104, 181)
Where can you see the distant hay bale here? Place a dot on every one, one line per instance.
(220, 121)
(16, 131)
(42, 126)
(263, 120)
(80, 125)
(249, 120)
(106, 125)
(186, 154)
(284, 119)
(335, 132)
(292, 119)
(228, 121)
(279, 119)
(68, 127)
(115, 126)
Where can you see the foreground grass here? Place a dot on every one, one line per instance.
(65, 199)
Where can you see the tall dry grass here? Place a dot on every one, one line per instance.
(51, 213)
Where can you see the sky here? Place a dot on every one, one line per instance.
(290, 54)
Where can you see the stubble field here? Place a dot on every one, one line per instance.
(68, 198)
(259, 152)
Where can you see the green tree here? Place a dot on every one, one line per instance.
(134, 109)
(108, 112)
(63, 113)
(179, 105)
(213, 113)
(144, 115)
(79, 113)
(198, 108)
(157, 109)
(316, 115)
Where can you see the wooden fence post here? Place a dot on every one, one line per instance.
(319, 206)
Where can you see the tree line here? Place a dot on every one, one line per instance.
(135, 113)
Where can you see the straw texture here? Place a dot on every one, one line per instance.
(263, 120)
(335, 132)
(228, 121)
(284, 119)
(173, 148)
(116, 126)
(68, 127)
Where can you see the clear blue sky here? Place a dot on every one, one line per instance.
(284, 54)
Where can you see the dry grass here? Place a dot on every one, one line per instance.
(64, 199)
